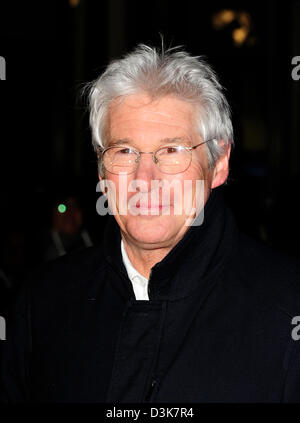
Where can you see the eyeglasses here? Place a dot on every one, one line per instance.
(170, 159)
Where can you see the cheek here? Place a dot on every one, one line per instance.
(199, 182)
(120, 190)
(196, 170)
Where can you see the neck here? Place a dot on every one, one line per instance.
(144, 259)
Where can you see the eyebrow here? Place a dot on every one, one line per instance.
(121, 141)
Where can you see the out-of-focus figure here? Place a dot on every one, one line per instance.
(67, 232)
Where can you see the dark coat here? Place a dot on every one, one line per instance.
(217, 327)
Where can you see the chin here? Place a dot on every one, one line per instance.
(151, 229)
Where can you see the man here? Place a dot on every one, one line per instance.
(175, 305)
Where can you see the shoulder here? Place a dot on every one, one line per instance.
(271, 274)
(66, 272)
(260, 259)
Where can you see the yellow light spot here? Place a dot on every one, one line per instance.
(227, 16)
(239, 35)
(223, 18)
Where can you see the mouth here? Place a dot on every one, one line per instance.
(150, 208)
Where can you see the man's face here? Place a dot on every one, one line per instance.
(147, 125)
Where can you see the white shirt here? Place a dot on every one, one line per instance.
(139, 282)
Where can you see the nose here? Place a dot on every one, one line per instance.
(146, 171)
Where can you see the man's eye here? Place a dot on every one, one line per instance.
(125, 151)
(170, 150)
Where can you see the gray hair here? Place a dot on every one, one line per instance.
(162, 73)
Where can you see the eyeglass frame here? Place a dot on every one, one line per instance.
(139, 153)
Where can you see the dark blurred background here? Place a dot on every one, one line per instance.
(52, 48)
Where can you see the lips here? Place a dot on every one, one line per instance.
(152, 203)
(149, 205)
(149, 209)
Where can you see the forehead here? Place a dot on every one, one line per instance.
(139, 116)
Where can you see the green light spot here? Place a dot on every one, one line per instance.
(61, 208)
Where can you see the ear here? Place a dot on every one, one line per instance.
(221, 170)
(104, 191)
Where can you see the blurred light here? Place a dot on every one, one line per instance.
(240, 35)
(244, 19)
(223, 18)
(74, 3)
(61, 208)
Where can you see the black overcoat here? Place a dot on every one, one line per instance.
(218, 326)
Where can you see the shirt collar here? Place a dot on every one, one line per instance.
(131, 271)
